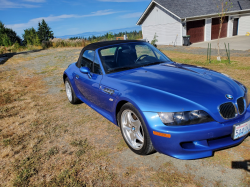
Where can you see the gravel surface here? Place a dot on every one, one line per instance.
(213, 171)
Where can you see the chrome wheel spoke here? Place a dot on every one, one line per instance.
(132, 129)
(127, 128)
(139, 137)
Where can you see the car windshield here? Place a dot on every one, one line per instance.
(130, 55)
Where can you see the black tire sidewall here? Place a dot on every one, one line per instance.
(147, 140)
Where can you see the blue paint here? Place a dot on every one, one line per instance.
(166, 87)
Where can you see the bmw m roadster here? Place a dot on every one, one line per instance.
(180, 110)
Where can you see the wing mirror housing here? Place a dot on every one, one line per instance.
(85, 70)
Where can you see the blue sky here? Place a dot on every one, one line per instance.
(67, 17)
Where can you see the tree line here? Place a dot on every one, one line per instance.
(8, 37)
(133, 35)
(34, 37)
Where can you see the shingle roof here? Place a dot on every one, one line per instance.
(191, 8)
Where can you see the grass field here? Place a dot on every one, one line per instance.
(46, 141)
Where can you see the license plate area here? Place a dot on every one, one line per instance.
(241, 130)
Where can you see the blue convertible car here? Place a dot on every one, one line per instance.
(184, 111)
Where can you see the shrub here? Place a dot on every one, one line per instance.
(153, 42)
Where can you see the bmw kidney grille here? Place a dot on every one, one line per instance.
(229, 110)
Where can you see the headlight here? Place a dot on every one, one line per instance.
(184, 118)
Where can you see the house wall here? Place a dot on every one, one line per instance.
(167, 27)
(230, 25)
(208, 29)
(244, 25)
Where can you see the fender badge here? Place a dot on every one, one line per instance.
(111, 99)
(230, 97)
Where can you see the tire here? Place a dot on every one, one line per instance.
(134, 130)
(70, 93)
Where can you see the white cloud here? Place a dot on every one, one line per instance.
(8, 4)
(120, 1)
(34, 22)
(132, 15)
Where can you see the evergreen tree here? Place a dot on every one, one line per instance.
(7, 36)
(44, 33)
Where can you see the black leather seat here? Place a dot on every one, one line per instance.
(126, 56)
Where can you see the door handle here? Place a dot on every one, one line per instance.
(77, 76)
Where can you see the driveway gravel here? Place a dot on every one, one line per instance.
(214, 171)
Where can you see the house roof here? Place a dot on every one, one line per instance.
(191, 8)
(195, 8)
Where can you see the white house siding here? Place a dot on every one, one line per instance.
(230, 25)
(184, 31)
(244, 25)
(208, 27)
(167, 27)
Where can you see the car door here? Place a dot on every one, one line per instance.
(89, 85)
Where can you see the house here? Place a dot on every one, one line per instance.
(170, 20)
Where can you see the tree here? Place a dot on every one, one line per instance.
(153, 42)
(30, 37)
(44, 33)
(223, 7)
(110, 35)
(7, 36)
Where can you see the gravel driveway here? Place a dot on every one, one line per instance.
(214, 171)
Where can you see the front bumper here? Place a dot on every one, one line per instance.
(193, 141)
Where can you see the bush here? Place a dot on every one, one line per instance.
(46, 44)
(153, 42)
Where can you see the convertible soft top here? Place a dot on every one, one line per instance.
(97, 45)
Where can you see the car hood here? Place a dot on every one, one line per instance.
(200, 85)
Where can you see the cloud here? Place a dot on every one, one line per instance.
(120, 1)
(8, 4)
(34, 22)
(132, 15)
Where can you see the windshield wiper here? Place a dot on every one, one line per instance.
(120, 69)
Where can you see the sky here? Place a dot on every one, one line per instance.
(67, 17)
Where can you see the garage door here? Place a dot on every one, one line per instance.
(196, 30)
(216, 28)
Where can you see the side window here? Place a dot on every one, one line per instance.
(97, 68)
(87, 59)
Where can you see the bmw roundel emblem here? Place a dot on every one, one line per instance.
(230, 97)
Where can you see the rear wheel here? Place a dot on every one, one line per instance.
(70, 93)
(134, 130)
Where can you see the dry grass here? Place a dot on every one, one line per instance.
(169, 175)
(45, 141)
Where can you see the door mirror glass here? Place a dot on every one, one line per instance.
(85, 70)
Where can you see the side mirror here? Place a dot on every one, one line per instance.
(85, 70)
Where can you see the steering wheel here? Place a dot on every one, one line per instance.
(140, 58)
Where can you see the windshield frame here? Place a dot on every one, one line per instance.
(131, 67)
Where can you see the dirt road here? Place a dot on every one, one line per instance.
(45, 141)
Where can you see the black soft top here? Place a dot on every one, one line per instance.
(97, 45)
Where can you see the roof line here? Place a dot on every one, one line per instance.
(150, 6)
(144, 12)
(217, 14)
(167, 10)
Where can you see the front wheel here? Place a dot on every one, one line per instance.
(70, 93)
(134, 130)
